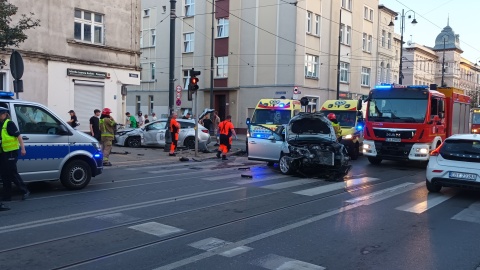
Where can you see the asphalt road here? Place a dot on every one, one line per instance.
(205, 215)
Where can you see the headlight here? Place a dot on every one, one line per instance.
(347, 137)
(97, 145)
(366, 146)
(421, 150)
(475, 130)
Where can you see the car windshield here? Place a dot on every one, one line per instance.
(476, 118)
(271, 117)
(397, 110)
(344, 118)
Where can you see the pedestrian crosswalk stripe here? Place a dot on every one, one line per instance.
(353, 183)
(235, 251)
(420, 207)
(117, 218)
(289, 184)
(274, 262)
(209, 244)
(262, 178)
(156, 229)
(372, 197)
(185, 165)
(471, 214)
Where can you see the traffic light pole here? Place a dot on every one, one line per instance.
(171, 75)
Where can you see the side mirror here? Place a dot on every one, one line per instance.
(248, 121)
(359, 105)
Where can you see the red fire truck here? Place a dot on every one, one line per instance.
(476, 121)
(407, 122)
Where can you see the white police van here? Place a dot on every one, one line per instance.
(55, 151)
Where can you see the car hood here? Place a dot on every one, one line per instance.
(310, 127)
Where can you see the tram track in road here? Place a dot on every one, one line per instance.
(186, 233)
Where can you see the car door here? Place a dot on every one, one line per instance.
(264, 143)
(155, 133)
(45, 143)
(186, 129)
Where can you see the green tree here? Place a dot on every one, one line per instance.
(11, 35)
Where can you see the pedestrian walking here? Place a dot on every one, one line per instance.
(174, 130)
(140, 119)
(154, 116)
(208, 124)
(216, 122)
(226, 130)
(146, 119)
(11, 141)
(131, 120)
(95, 125)
(187, 116)
(107, 128)
(73, 122)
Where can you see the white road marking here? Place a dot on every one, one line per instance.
(336, 186)
(271, 233)
(235, 251)
(209, 244)
(275, 262)
(185, 165)
(420, 207)
(117, 218)
(111, 210)
(471, 214)
(222, 177)
(384, 192)
(257, 179)
(289, 184)
(199, 167)
(156, 229)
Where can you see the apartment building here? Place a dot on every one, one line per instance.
(419, 64)
(387, 61)
(81, 57)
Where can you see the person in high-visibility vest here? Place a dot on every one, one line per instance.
(175, 131)
(226, 130)
(107, 130)
(336, 126)
(11, 141)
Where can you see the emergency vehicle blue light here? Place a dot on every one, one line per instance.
(359, 127)
(6, 94)
(280, 105)
(97, 155)
(259, 135)
(383, 87)
(418, 86)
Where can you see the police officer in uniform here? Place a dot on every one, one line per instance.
(174, 130)
(107, 129)
(10, 141)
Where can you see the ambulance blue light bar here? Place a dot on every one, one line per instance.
(6, 94)
(418, 86)
(383, 86)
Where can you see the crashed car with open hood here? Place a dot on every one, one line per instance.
(308, 142)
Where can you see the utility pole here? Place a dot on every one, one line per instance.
(171, 75)
(339, 46)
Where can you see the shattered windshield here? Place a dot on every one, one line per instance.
(397, 110)
(271, 117)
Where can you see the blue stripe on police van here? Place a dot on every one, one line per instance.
(56, 151)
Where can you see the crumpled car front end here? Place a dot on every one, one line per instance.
(312, 145)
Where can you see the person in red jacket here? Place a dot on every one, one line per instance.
(174, 130)
(226, 130)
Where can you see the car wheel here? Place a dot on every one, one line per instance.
(76, 174)
(270, 163)
(133, 142)
(431, 187)
(355, 152)
(374, 160)
(189, 142)
(284, 166)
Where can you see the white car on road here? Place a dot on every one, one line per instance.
(456, 163)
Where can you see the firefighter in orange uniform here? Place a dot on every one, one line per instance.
(226, 130)
(174, 130)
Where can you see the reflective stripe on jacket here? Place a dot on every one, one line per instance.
(107, 127)
(9, 143)
(338, 130)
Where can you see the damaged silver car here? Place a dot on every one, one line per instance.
(307, 144)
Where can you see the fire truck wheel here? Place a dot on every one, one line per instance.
(374, 160)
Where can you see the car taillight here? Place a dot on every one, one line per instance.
(436, 152)
(205, 130)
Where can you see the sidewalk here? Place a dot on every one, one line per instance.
(127, 156)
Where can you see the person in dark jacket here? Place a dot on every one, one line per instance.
(95, 125)
(11, 142)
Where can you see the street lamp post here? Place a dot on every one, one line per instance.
(402, 29)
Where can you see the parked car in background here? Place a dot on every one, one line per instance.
(307, 142)
(153, 134)
(455, 163)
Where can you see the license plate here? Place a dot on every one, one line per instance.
(460, 175)
(393, 140)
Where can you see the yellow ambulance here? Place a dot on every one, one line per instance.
(349, 115)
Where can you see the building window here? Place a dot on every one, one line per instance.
(387, 74)
(153, 37)
(365, 76)
(89, 26)
(150, 103)
(189, 8)
(364, 42)
(3, 81)
(344, 72)
(347, 4)
(369, 43)
(383, 38)
(389, 40)
(382, 72)
(317, 25)
(186, 78)
(138, 103)
(152, 71)
(342, 31)
(311, 66)
(349, 30)
(188, 42)
(309, 22)
(222, 28)
(368, 14)
(146, 12)
(222, 67)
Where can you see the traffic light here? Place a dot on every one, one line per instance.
(193, 85)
